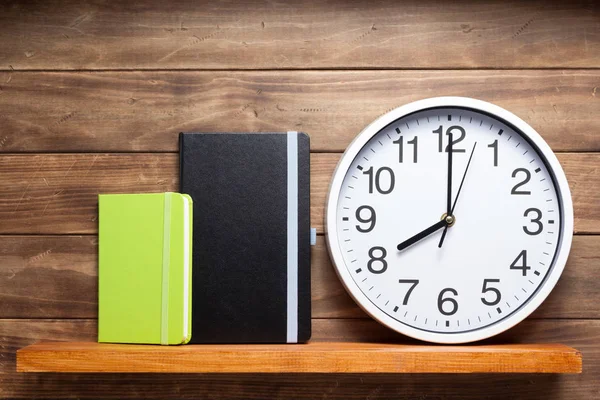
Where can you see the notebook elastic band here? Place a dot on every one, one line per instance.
(292, 237)
(164, 318)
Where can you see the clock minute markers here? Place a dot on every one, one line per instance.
(422, 191)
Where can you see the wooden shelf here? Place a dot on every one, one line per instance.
(316, 357)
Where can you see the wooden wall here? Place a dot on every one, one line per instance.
(93, 94)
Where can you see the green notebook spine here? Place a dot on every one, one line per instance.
(187, 267)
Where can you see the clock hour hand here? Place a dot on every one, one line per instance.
(423, 234)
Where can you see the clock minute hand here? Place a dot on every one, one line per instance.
(449, 190)
(457, 194)
(423, 234)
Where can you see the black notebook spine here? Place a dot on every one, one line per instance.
(304, 247)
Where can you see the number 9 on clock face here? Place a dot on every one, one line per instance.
(449, 220)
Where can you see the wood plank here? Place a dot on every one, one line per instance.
(57, 277)
(49, 276)
(145, 111)
(57, 193)
(581, 170)
(581, 334)
(314, 357)
(305, 34)
(575, 295)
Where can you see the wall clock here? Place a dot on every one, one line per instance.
(449, 219)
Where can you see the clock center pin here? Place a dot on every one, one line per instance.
(450, 219)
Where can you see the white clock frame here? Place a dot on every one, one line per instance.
(554, 168)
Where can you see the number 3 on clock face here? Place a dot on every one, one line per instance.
(449, 220)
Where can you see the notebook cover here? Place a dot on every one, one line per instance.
(144, 247)
(244, 244)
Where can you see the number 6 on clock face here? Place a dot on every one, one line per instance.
(449, 220)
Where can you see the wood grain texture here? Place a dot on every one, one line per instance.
(40, 186)
(581, 334)
(581, 170)
(57, 193)
(57, 277)
(314, 357)
(130, 110)
(303, 34)
(49, 276)
(145, 111)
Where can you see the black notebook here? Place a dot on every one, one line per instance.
(251, 236)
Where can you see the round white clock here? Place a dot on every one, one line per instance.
(449, 219)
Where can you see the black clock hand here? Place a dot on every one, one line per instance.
(457, 194)
(423, 234)
(449, 191)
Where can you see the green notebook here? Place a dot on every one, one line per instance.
(144, 277)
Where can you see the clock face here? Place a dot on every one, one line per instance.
(449, 242)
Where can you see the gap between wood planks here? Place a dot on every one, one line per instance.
(83, 319)
(51, 152)
(319, 234)
(328, 69)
